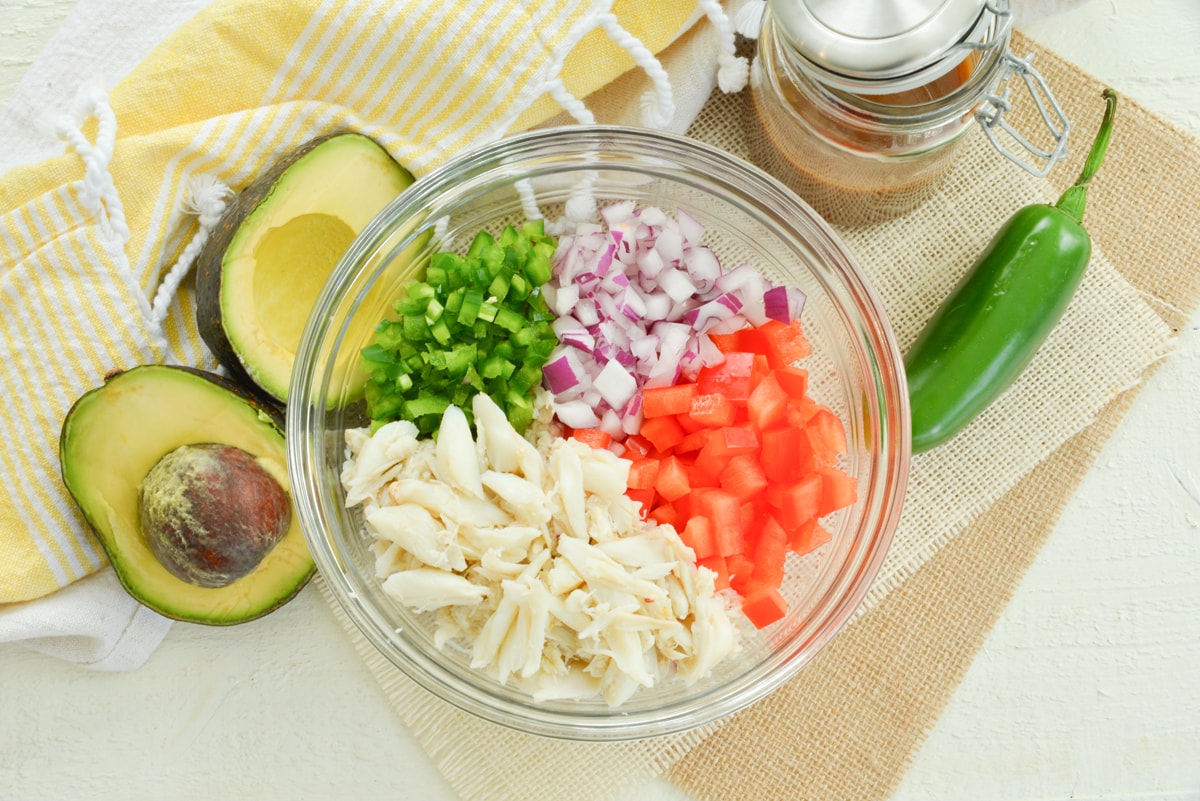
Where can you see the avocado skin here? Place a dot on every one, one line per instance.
(124, 566)
(209, 266)
(210, 263)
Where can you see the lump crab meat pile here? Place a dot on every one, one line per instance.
(533, 558)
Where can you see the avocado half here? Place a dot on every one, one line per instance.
(111, 438)
(261, 269)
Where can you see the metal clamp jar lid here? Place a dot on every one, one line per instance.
(878, 47)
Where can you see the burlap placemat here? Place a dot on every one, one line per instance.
(978, 513)
(854, 719)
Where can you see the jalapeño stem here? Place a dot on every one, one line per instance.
(1074, 200)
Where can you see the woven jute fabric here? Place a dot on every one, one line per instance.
(849, 725)
(977, 511)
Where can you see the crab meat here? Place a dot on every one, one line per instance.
(457, 464)
(425, 588)
(533, 557)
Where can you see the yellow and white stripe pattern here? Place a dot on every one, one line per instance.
(87, 238)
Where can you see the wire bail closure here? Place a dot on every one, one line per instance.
(991, 117)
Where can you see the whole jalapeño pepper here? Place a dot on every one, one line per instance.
(989, 328)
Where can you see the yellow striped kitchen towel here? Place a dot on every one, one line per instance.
(95, 243)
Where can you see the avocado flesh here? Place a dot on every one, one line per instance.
(116, 433)
(290, 228)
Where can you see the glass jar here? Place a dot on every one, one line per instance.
(863, 113)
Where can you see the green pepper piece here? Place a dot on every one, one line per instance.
(430, 404)
(415, 328)
(989, 328)
(469, 310)
(508, 236)
(470, 324)
(509, 320)
(481, 241)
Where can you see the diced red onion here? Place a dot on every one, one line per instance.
(586, 313)
(743, 279)
(783, 303)
(669, 245)
(565, 299)
(658, 306)
(576, 414)
(676, 284)
(580, 340)
(650, 263)
(605, 261)
(701, 317)
(652, 216)
(644, 348)
(615, 384)
(689, 226)
(610, 423)
(634, 306)
(560, 374)
(615, 215)
(636, 299)
(702, 266)
(708, 352)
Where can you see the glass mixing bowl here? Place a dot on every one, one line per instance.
(855, 369)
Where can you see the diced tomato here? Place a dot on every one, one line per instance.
(743, 463)
(726, 343)
(743, 476)
(595, 437)
(665, 514)
(724, 511)
(770, 553)
(709, 460)
(764, 607)
(699, 475)
(793, 381)
(801, 410)
(782, 449)
(786, 342)
(663, 401)
(741, 572)
(663, 433)
(684, 507)
(637, 446)
(698, 535)
(760, 370)
(767, 404)
(642, 473)
(645, 497)
(716, 564)
(672, 479)
(838, 490)
(730, 378)
(693, 442)
(807, 537)
(800, 501)
(751, 523)
(825, 429)
(752, 340)
(712, 410)
(735, 440)
(748, 514)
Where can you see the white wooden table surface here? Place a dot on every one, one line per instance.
(1088, 688)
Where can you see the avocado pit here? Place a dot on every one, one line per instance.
(210, 513)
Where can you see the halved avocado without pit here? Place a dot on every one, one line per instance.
(260, 272)
(112, 438)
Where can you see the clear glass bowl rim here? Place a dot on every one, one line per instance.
(722, 173)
